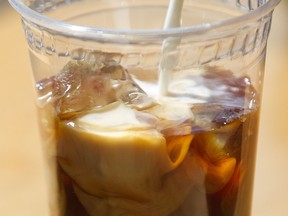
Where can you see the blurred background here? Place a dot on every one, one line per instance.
(22, 186)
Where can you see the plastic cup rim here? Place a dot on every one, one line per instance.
(72, 29)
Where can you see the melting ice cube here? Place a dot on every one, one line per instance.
(93, 82)
(131, 94)
(81, 86)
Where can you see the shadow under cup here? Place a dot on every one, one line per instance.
(140, 120)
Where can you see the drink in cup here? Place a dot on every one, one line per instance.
(140, 120)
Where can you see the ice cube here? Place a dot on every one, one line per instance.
(89, 81)
(228, 115)
(213, 85)
(132, 95)
(204, 115)
(81, 86)
(94, 81)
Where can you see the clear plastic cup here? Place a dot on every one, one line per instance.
(114, 142)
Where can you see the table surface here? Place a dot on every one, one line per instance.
(22, 188)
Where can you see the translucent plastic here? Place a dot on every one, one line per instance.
(113, 142)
